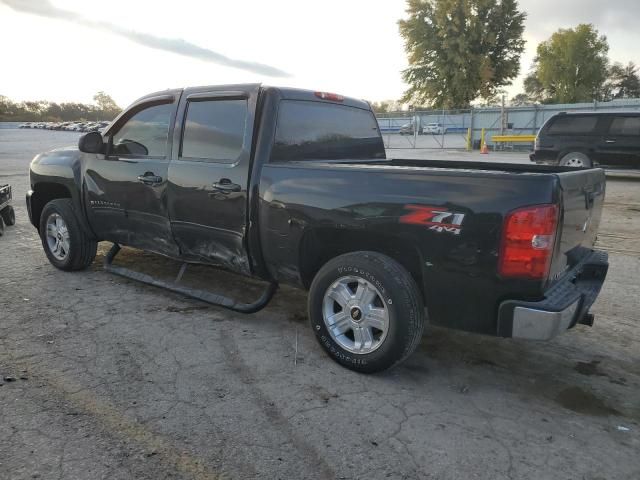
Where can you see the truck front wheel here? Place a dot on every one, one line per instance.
(366, 311)
(65, 242)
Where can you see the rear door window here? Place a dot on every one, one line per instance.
(625, 126)
(573, 125)
(214, 130)
(309, 130)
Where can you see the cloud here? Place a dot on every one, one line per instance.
(549, 15)
(44, 8)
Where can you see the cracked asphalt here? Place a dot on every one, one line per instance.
(104, 378)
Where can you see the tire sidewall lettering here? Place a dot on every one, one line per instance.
(343, 271)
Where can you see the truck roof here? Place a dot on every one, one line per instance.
(288, 93)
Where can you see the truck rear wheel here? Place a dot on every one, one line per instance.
(65, 242)
(366, 311)
(8, 215)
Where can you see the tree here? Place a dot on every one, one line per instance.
(42, 110)
(107, 106)
(460, 50)
(623, 82)
(386, 106)
(569, 67)
(104, 101)
(521, 100)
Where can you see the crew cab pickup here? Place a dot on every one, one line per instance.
(293, 187)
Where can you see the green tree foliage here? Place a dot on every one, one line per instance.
(44, 111)
(386, 106)
(460, 50)
(570, 67)
(521, 100)
(624, 81)
(106, 104)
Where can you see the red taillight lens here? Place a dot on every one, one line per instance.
(527, 242)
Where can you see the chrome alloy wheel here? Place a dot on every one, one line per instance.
(355, 315)
(575, 162)
(57, 237)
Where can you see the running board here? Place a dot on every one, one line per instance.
(204, 296)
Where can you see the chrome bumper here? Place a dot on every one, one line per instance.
(532, 324)
(564, 305)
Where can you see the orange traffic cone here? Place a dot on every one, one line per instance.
(484, 149)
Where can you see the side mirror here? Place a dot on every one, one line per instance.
(91, 143)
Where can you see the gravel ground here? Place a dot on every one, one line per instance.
(104, 378)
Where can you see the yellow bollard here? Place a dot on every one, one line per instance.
(469, 146)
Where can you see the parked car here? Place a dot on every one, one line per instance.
(407, 129)
(587, 139)
(434, 129)
(292, 186)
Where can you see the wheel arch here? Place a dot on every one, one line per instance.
(320, 245)
(43, 193)
(589, 152)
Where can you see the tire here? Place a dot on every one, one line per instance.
(390, 293)
(78, 250)
(576, 160)
(8, 215)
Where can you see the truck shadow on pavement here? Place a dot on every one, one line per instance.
(561, 373)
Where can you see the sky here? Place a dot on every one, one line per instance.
(67, 50)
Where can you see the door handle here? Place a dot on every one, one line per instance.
(225, 185)
(149, 178)
(610, 141)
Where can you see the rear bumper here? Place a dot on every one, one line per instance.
(566, 303)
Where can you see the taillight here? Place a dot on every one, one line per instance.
(527, 242)
(332, 97)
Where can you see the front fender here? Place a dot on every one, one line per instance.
(55, 174)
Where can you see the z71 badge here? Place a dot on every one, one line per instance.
(435, 218)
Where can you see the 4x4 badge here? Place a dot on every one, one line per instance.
(435, 218)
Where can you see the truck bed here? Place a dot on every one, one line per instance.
(338, 201)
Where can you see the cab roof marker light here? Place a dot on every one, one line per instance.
(332, 97)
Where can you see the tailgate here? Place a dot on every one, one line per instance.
(581, 205)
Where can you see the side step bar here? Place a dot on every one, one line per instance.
(208, 297)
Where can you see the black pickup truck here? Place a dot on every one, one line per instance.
(293, 186)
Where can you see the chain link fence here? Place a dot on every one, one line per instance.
(463, 129)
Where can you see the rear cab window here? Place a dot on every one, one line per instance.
(573, 125)
(308, 130)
